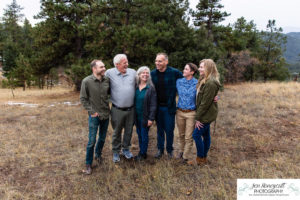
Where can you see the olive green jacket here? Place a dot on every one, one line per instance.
(206, 108)
(94, 96)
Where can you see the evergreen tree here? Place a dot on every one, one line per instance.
(208, 14)
(140, 28)
(271, 53)
(22, 73)
(2, 41)
(64, 29)
(27, 39)
(238, 42)
(12, 35)
(210, 34)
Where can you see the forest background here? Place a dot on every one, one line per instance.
(72, 33)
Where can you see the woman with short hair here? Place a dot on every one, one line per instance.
(186, 110)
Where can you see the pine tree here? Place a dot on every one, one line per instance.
(271, 53)
(12, 35)
(140, 29)
(22, 73)
(208, 14)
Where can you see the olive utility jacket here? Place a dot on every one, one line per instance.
(206, 108)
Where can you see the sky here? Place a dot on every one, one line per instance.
(286, 13)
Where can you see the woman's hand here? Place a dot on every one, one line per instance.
(95, 115)
(216, 99)
(150, 123)
(198, 125)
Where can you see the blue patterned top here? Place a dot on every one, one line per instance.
(187, 93)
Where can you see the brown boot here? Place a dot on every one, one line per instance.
(198, 161)
(191, 162)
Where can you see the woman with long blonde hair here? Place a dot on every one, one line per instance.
(206, 108)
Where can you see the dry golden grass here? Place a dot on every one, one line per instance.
(35, 95)
(43, 149)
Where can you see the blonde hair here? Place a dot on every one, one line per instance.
(210, 72)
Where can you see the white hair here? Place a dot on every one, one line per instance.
(138, 73)
(118, 58)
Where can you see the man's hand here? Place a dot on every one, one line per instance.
(198, 125)
(216, 99)
(95, 115)
(150, 123)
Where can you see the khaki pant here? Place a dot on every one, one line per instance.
(186, 125)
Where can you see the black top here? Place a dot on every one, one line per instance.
(160, 88)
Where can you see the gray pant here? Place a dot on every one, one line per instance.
(121, 119)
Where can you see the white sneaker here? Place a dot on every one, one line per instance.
(116, 157)
(127, 154)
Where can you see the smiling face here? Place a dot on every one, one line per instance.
(187, 72)
(161, 63)
(201, 69)
(122, 65)
(99, 69)
(144, 76)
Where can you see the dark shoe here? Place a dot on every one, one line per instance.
(170, 155)
(88, 170)
(140, 157)
(180, 155)
(159, 154)
(184, 161)
(98, 160)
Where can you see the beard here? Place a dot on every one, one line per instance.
(101, 73)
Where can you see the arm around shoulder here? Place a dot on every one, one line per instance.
(179, 74)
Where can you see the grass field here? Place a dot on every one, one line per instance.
(42, 148)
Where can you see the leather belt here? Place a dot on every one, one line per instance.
(123, 109)
(186, 111)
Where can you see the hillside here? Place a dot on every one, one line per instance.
(292, 51)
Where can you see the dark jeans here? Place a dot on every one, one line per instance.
(165, 124)
(202, 140)
(143, 137)
(94, 123)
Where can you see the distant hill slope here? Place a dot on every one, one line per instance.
(292, 51)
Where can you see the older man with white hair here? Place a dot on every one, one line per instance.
(122, 85)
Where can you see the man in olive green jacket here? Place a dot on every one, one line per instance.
(94, 96)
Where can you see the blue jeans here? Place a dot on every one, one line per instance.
(202, 140)
(94, 123)
(165, 124)
(143, 137)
